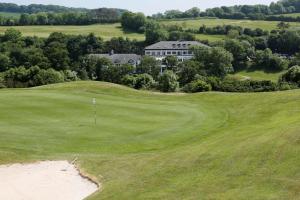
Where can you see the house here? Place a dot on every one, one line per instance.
(120, 59)
(180, 49)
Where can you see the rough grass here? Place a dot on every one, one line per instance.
(106, 31)
(10, 14)
(258, 75)
(196, 23)
(155, 146)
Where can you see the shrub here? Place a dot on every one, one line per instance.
(291, 76)
(144, 81)
(197, 86)
(167, 82)
(49, 76)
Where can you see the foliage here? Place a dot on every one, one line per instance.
(217, 61)
(133, 21)
(292, 76)
(167, 81)
(197, 86)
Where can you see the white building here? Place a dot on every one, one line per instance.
(180, 49)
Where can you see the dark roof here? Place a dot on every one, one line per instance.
(174, 45)
(119, 58)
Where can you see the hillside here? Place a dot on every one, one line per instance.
(196, 23)
(155, 146)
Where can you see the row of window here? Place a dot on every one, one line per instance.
(164, 53)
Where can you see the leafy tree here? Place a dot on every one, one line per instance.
(283, 25)
(217, 61)
(12, 35)
(58, 55)
(292, 75)
(4, 62)
(133, 21)
(154, 33)
(188, 71)
(167, 82)
(149, 65)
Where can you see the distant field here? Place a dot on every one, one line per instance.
(258, 75)
(196, 23)
(290, 15)
(211, 38)
(106, 31)
(10, 14)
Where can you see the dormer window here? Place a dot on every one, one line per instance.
(178, 45)
(174, 45)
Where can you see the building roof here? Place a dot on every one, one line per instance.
(119, 58)
(174, 45)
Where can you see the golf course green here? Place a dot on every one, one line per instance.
(148, 145)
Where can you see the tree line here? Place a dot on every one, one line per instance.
(36, 8)
(254, 12)
(101, 15)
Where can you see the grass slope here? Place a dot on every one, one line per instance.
(106, 31)
(156, 146)
(196, 23)
(258, 75)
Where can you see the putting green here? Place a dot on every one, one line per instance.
(160, 146)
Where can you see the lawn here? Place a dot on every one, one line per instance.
(106, 31)
(160, 146)
(259, 75)
(196, 23)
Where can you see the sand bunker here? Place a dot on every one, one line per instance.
(47, 180)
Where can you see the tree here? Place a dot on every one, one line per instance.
(170, 61)
(149, 65)
(197, 86)
(154, 33)
(217, 61)
(58, 55)
(188, 71)
(4, 62)
(12, 35)
(133, 21)
(167, 82)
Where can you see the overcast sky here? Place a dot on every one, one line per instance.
(146, 6)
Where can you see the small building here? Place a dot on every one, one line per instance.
(120, 59)
(180, 49)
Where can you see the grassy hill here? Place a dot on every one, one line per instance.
(258, 75)
(196, 23)
(160, 146)
(106, 31)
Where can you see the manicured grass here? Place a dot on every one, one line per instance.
(160, 146)
(196, 23)
(106, 31)
(258, 75)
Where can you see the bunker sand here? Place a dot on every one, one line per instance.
(45, 180)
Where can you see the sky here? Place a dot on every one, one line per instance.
(146, 6)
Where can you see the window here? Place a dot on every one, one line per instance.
(184, 52)
(164, 53)
(174, 45)
(190, 52)
(184, 45)
(158, 53)
(153, 53)
(179, 53)
(148, 53)
(169, 53)
(178, 45)
(174, 52)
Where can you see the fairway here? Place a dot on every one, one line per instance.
(106, 31)
(149, 145)
(196, 23)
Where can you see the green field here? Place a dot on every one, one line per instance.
(290, 15)
(196, 23)
(160, 146)
(106, 31)
(258, 75)
(10, 14)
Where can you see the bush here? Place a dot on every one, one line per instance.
(197, 86)
(70, 75)
(167, 82)
(291, 76)
(234, 85)
(49, 76)
(144, 81)
(2, 84)
(141, 81)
